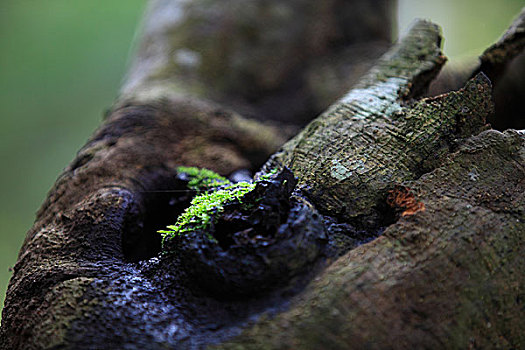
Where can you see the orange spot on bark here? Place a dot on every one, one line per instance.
(402, 197)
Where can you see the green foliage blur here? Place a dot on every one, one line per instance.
(61, 64)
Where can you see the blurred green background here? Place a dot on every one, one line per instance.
(61, 64)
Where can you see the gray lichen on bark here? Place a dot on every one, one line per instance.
(349, 157)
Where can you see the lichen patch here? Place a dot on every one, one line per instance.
(339, 171)
(380, 99)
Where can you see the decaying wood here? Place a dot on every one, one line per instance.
(439, 196)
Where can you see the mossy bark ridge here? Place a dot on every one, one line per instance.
(349, 157)
(286, 267)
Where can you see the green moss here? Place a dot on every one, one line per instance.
(202, 178)
(204, 208)
(267, 176)
(216, 191)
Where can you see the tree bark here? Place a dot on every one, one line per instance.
(390, 221)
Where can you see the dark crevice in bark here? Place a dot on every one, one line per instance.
(508, 97)
(140, 238)
(344, 236)
(254, 245)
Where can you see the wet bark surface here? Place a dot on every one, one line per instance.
(390, 221)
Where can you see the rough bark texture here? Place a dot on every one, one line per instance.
(438, 199)
(451, 276)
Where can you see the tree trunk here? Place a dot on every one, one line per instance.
(389, 221)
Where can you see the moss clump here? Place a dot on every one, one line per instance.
(215, 192)
(200, 179)
(204, 208)
(268, 175)
(218, 191)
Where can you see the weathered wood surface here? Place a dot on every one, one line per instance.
(447, 270)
